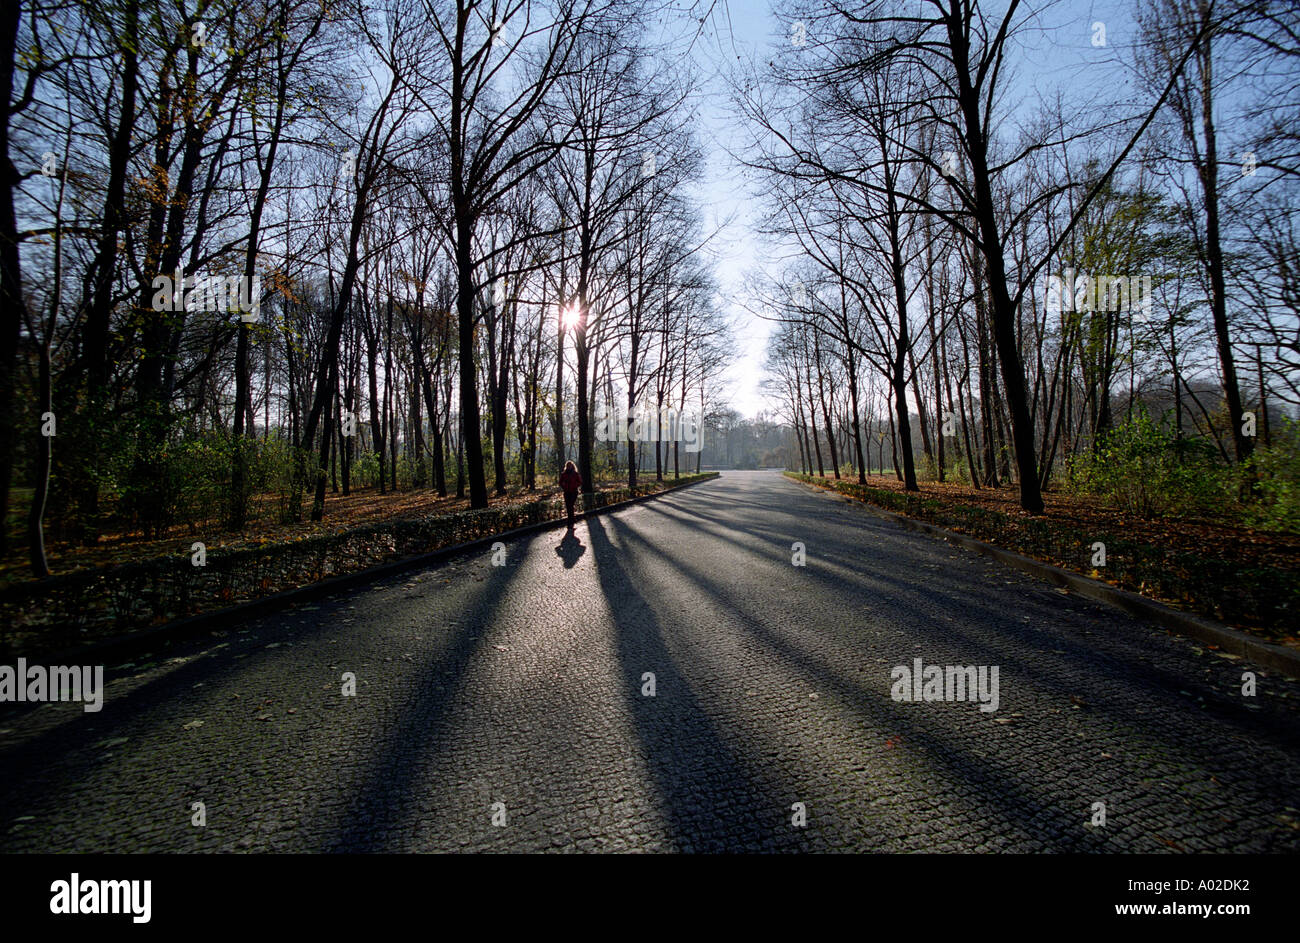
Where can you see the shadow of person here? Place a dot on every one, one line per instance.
(570, 550)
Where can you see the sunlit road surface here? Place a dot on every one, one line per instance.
(512, 708)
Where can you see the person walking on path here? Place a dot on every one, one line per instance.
(570, 481)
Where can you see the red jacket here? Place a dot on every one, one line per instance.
(570, 481)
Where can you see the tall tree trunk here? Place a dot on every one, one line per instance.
(826, 415)
(1002, 311)
(470, 418)
(1208, 170)
(11, 283)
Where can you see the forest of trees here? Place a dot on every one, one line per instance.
(300, 247)
(257, 253)
(1036, 287)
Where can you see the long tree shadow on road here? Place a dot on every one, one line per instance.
(710, 799)
(1111, 664)
(377, 817)
(1029, 798)
(1020, 806)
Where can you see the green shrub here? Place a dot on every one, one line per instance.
(959, 471)
(1141, 467)
(197, 480)
(1274, 473)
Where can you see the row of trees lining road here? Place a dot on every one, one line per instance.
(1024, 276)
(279, 247)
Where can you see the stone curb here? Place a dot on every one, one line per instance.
(119, 647)
(1233, 641)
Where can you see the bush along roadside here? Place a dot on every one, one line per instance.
(83, 606)
(1262, 599)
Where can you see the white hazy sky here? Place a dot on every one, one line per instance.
(744, 29)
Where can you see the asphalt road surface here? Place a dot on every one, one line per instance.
(509, 708)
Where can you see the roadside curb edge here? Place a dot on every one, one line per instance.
(187, 628)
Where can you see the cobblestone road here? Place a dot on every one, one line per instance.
(515, 694)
